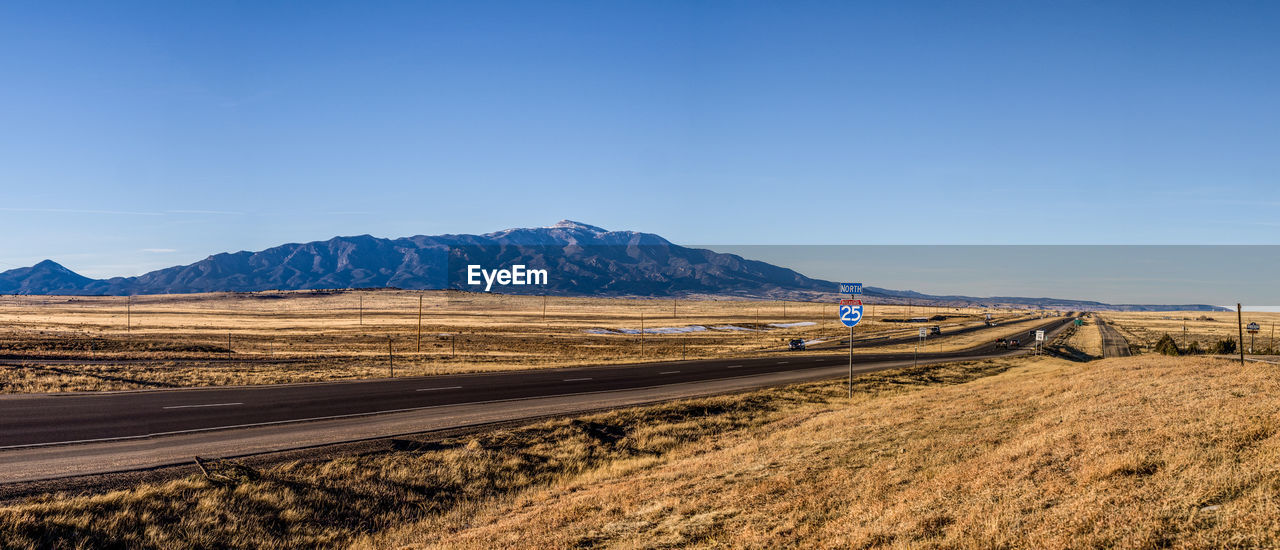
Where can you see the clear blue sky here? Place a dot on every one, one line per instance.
(141, 135)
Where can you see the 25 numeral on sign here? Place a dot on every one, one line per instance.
(850, 312)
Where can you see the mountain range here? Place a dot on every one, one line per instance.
(580, 259)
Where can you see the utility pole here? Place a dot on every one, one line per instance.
(544, 308)
(1240, 329)
(228, 344)
(418, 348)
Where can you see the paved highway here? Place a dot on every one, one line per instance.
(1113, 343)
(36, 431)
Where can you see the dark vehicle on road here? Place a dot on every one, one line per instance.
(935, 330)
(1002, 343)
(1013, 343)
(795, 344)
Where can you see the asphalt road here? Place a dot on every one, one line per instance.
(38, 430)
(1113, 343)
(843, 343)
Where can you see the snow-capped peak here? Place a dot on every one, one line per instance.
(570, 224)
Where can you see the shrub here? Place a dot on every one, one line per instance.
(1225, 346)
(1167, 346)
(1194, 348)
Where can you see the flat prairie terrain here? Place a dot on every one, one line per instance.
(63, 343)
(1203, 328)
(1028, 452)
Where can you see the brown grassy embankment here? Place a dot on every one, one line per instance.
(1134, 452)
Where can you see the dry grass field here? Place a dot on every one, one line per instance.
(1086, 340)
(1203, 328)
(59, 343)
(1148, 451)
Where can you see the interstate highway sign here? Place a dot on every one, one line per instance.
(851, 288)
(850, 312)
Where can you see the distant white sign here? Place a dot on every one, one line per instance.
(1039, 335)
(924, 333)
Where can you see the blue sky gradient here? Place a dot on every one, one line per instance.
(139, 135)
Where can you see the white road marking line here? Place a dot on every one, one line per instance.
(670, 372)
(575, 379)
(444, 388)
(734, 367)
(197, 406)
(782, 362)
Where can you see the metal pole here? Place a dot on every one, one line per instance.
(128, 314)
(391, 358)
(850, 362)
(228, 344)
(544, 308)
(418, 348)
(1240, 329)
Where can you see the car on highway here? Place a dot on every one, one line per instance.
(935, 330)
(1013, 343)
(796, 344)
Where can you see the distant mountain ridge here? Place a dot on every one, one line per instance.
(582, 259)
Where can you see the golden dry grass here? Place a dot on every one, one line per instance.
(1130, 453)
(1137, 452)
(96, 343)
(1086, 339)
(1146, 328)
(328, 502)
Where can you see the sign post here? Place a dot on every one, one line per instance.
(850, 315)
(915, 359)
(1253, 329)
(1039, 340)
